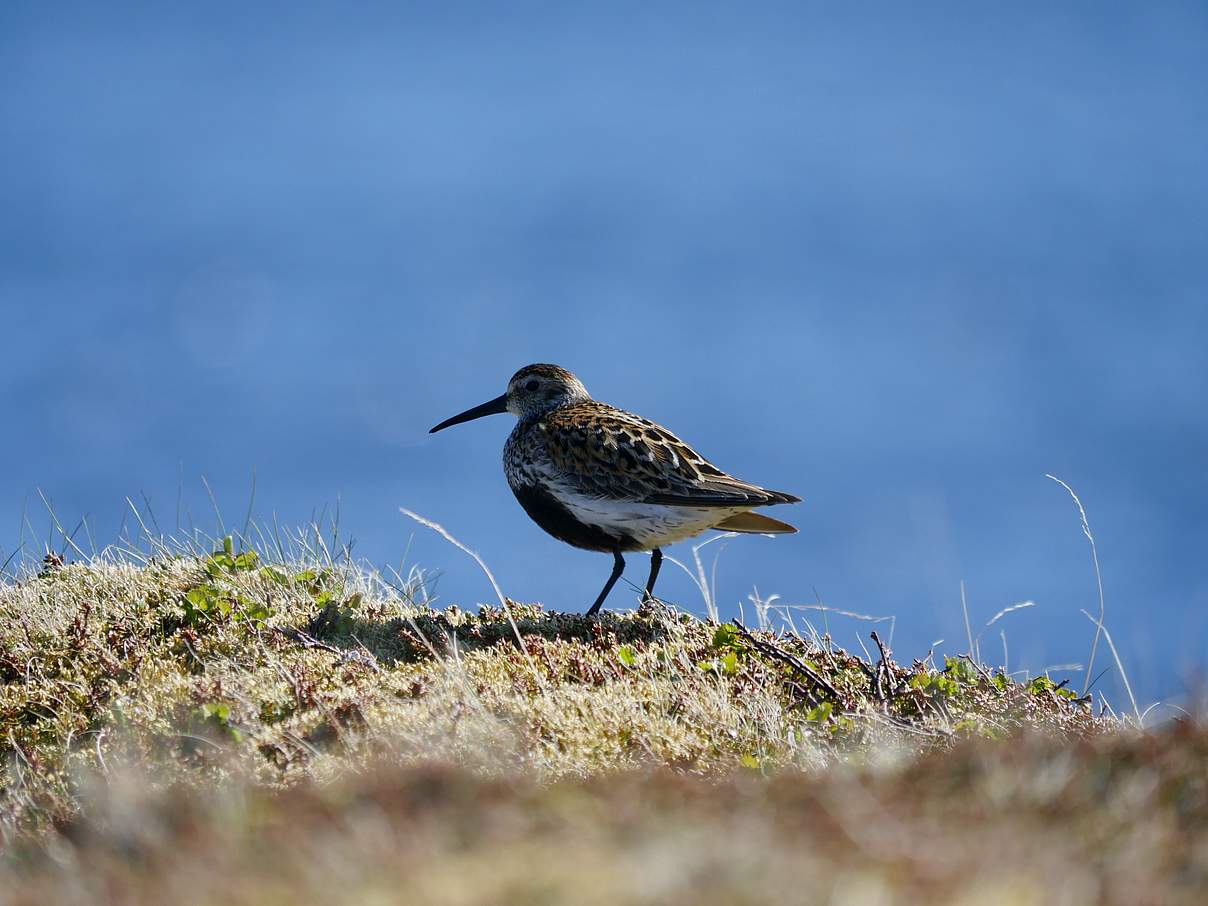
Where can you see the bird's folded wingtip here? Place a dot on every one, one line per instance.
(756, 524)
(782, 497)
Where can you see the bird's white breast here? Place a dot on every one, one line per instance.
(650, 524)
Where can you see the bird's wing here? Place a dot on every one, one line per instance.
(614, 454)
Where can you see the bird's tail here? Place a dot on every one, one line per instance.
(755, 523)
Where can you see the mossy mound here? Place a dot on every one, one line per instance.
(221, 670)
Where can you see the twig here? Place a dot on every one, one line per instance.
(779, 654)
(883, 667)
(364, 657)
(305, 639)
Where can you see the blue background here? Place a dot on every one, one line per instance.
(900, 259)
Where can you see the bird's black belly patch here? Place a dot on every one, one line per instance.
(545, 510)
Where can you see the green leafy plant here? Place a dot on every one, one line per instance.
(820, 713)
(1041, 685)
(726, 637)
(225, 561)
(216, 716)
(725, 664)
(216, 600)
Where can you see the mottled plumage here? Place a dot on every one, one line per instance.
(603, 479)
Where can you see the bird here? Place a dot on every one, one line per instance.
(603, 479)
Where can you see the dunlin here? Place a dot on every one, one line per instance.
(604, 479)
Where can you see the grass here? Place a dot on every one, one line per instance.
(243, 728)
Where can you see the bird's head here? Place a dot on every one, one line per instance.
(533, 390)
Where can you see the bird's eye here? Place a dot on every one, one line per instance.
(531, 385)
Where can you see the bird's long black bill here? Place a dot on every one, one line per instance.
(493, 407)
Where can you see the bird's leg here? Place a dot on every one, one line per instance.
(618, 567)
(656, 560)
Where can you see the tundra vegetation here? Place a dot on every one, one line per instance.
(225, 726)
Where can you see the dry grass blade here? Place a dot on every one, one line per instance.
(1119, 665)
(444, 533)
(973, 652)
(1022, 605)
(704, 585)
(1086, 530)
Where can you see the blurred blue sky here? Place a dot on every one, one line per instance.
(900, 259)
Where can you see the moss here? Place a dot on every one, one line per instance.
(222, 670)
